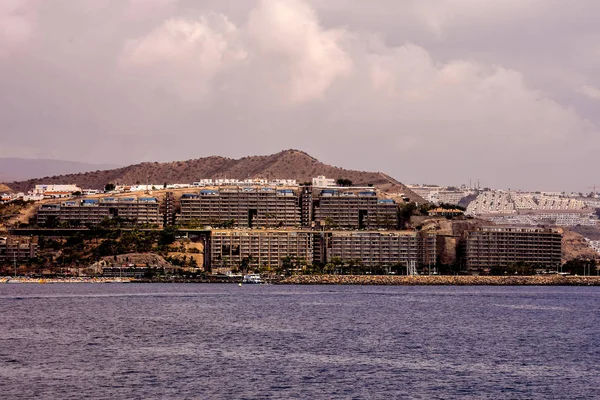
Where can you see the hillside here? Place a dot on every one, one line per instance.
(575, 246)
(288, 164)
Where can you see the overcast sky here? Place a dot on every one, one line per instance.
(428, 91)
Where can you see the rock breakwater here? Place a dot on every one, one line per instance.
(540, 280)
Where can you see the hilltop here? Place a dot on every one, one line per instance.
(287, 164)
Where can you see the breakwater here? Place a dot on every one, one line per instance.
(540, 280)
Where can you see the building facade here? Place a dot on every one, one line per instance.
(495, 246)
(242, 208)
(13, 249)
(351, 209)
(306, 207)
(259, 248)
(378, 248)
(143, 210)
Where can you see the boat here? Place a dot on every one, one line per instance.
(252, 278)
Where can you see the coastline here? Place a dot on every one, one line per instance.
(442, 280)
(365, 280)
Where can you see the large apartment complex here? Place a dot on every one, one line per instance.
(143, 210)
(312, 224)
(354, 210)
(258, 248)
(379, 248)
(306, 207)
(13, 249)
(243, 207)
(491, 247)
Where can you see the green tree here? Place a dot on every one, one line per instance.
(109, 187)
(405, 211)
(167, 236)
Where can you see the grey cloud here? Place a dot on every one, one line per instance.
(500, 91)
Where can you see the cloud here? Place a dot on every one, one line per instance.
(282, 45)
(184, 55)
(428, 91)
(309, 58)
(439, 15)
(16, 25)
(590, 91)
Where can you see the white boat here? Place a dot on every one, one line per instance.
(252, 278)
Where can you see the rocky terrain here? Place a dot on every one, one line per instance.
(137, 259)
(288, 164)
(450, 232)
(575, 246)
(537, 280)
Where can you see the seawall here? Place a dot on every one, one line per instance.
(539, 280)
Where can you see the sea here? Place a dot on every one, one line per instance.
(223, 341)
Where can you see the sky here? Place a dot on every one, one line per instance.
(428, 91)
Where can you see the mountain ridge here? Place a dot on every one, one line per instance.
(286, 164)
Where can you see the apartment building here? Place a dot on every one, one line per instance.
(168, 209)
(242, 207)
(17, 249)
(259, 248)
(354, 209)
(143, 210)
(378, 248)
(490, 247)
(52, 188)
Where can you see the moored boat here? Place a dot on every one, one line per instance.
(252, 278)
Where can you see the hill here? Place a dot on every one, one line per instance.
(575, 246)
(18, 169)
(288, 164)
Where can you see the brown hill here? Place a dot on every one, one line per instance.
(575, 246)
(4, 188)
(288, 164)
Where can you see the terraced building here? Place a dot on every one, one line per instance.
(259, 248)
(242, 208)
(143, 210)
(495, 246)
(378, 248)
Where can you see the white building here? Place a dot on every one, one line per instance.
(321, 181)
(52, 188)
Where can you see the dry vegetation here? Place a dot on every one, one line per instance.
(575, 246)
(288, 164)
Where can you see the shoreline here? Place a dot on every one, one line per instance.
(363, 280)
(442, 280)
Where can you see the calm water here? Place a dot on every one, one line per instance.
(135, 341)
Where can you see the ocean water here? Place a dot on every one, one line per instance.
(202, 341)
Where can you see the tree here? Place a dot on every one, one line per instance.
(404, 213)
(245, 264)
(109, 187)
(167, 236)
(343, 182)
(578, 266)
